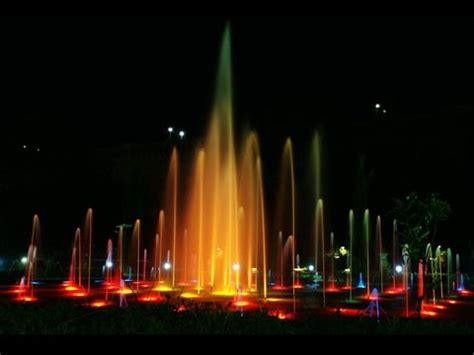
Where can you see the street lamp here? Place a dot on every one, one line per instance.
(181, 134)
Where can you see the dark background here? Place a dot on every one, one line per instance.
(96, 95)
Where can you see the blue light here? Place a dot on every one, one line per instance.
(361, 282)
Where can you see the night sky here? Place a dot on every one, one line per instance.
(84, 88)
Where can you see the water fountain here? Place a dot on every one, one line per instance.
(439, 262)
(366, 235)
(351, 250)
(75, 266)
(379, 249)
(136, 241)
(361, 281)
(373, 305)
(30, 265)
(394, 253)
(320, 237)
(449, 271)
(88, 234)
(331, 243)
(459, 285)
(108, 268)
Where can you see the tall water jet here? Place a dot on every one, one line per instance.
(293, 271)
(72, 267)
(367, 244)
(280, 249)
(394, 252)
(160, 237)
(185, 256)
(120, 255)
(108, 268)
(317, 164)
(379, 254)
(144, 264)
(320, 237)
(261, 209)
(449, 270)
(439, 262)
(200, 219)
(171, 211)
(286, 193)
(331, 242)
(88, 233)
(429, 257)
(76, 259)
(252, 209)
(351, 252)
(219, 237)
(136, 241)
(156, 264)
(458, 272)
(30, 267)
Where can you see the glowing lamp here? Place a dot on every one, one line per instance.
(236, 267)
(167, 266)
(311, 268)
(24, 260)
(181, 134)
(398, 269)
(109, 264)
(170, 129)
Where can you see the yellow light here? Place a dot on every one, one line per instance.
(162, 288)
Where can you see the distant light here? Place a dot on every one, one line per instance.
(37, 149)
(343, 250)
(384, 111)
(347, 270)
(311, 268)
(254, 270)
(398, 269)
(377, 106)
(24, 260)
(24, 146)
(109, 264)
(170, 129)
(167, 266)
(236, 267)
(181, 134)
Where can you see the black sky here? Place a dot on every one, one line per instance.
(78, 84)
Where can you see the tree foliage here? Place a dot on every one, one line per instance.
(418, 219)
